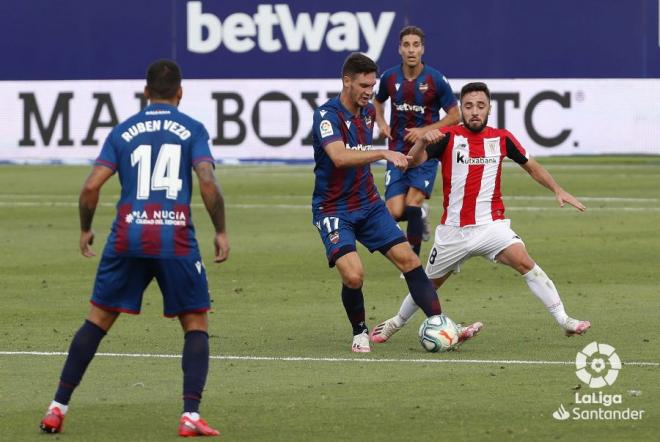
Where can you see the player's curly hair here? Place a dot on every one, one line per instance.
(163, 79)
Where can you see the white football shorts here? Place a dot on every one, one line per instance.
(455, 245)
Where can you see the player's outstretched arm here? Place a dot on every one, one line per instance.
(87, 202)
(452, 117)
(342, 157)
(418, 151)
(542, 176)
(215, 206)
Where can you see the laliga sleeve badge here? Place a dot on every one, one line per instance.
(325, 127)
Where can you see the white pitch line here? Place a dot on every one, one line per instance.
(310, 359)
(44, 204)
(585, 198)
(589, 209)
(74, 198)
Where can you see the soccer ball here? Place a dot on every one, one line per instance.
(438, 334)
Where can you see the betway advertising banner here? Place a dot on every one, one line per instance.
(89, 40)
(270, 120)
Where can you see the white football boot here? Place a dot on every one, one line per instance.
(468, 332)
(575, 327)
(384, 331)
(361, 343)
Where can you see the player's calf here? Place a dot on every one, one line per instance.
(426, 233)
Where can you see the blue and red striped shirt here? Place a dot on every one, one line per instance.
(342, 189)
(413, 103)
(154, 152)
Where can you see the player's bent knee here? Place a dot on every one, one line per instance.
(525, 266)
(415, 199)
(403, 257)
(396, 207)
(353, 280)
(396, 212)
(409, 262)
(191, 321)
(102, 318)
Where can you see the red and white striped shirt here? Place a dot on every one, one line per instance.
(472, 171)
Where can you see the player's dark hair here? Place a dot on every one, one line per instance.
(475, 87)
(358, 63)
(163, 79)
(411, 30)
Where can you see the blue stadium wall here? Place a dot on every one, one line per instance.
(563, 71)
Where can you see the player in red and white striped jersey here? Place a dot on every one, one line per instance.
(473, 221)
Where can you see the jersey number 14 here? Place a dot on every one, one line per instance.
(165, 174)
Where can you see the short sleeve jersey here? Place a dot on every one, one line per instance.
(413, 103)
(342, 189)
(154, 152)
(472, 171)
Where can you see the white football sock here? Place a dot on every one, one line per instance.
(63, 408)
(544, 289)
(192, 416)
(407, 309)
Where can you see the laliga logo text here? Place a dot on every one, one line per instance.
(597, 365)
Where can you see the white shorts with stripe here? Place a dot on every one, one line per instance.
(455, 245)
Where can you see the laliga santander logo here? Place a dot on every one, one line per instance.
(598, 366)
(592, 363)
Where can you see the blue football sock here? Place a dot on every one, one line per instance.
(195, 365)
(353, 301)
(415, 227)
(422, 291)
(81, 352)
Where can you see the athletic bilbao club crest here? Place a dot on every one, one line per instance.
(334, 237)
(492, 146)
(423, 87)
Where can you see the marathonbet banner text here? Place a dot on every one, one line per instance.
(270, 120)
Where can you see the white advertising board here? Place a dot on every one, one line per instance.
(270, 120)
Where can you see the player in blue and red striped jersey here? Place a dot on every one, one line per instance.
(346, 206)
(416, 92)
(154, 153)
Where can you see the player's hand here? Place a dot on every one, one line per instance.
(399, 160)
(385, 131)
(564, 197)
(413, 134)
(86, 241)
(433, 136)
(221, 243)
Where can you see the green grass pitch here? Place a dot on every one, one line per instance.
(282, 367)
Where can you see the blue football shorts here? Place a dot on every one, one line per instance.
(373, 226)
(121, 282)
(421, 177)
